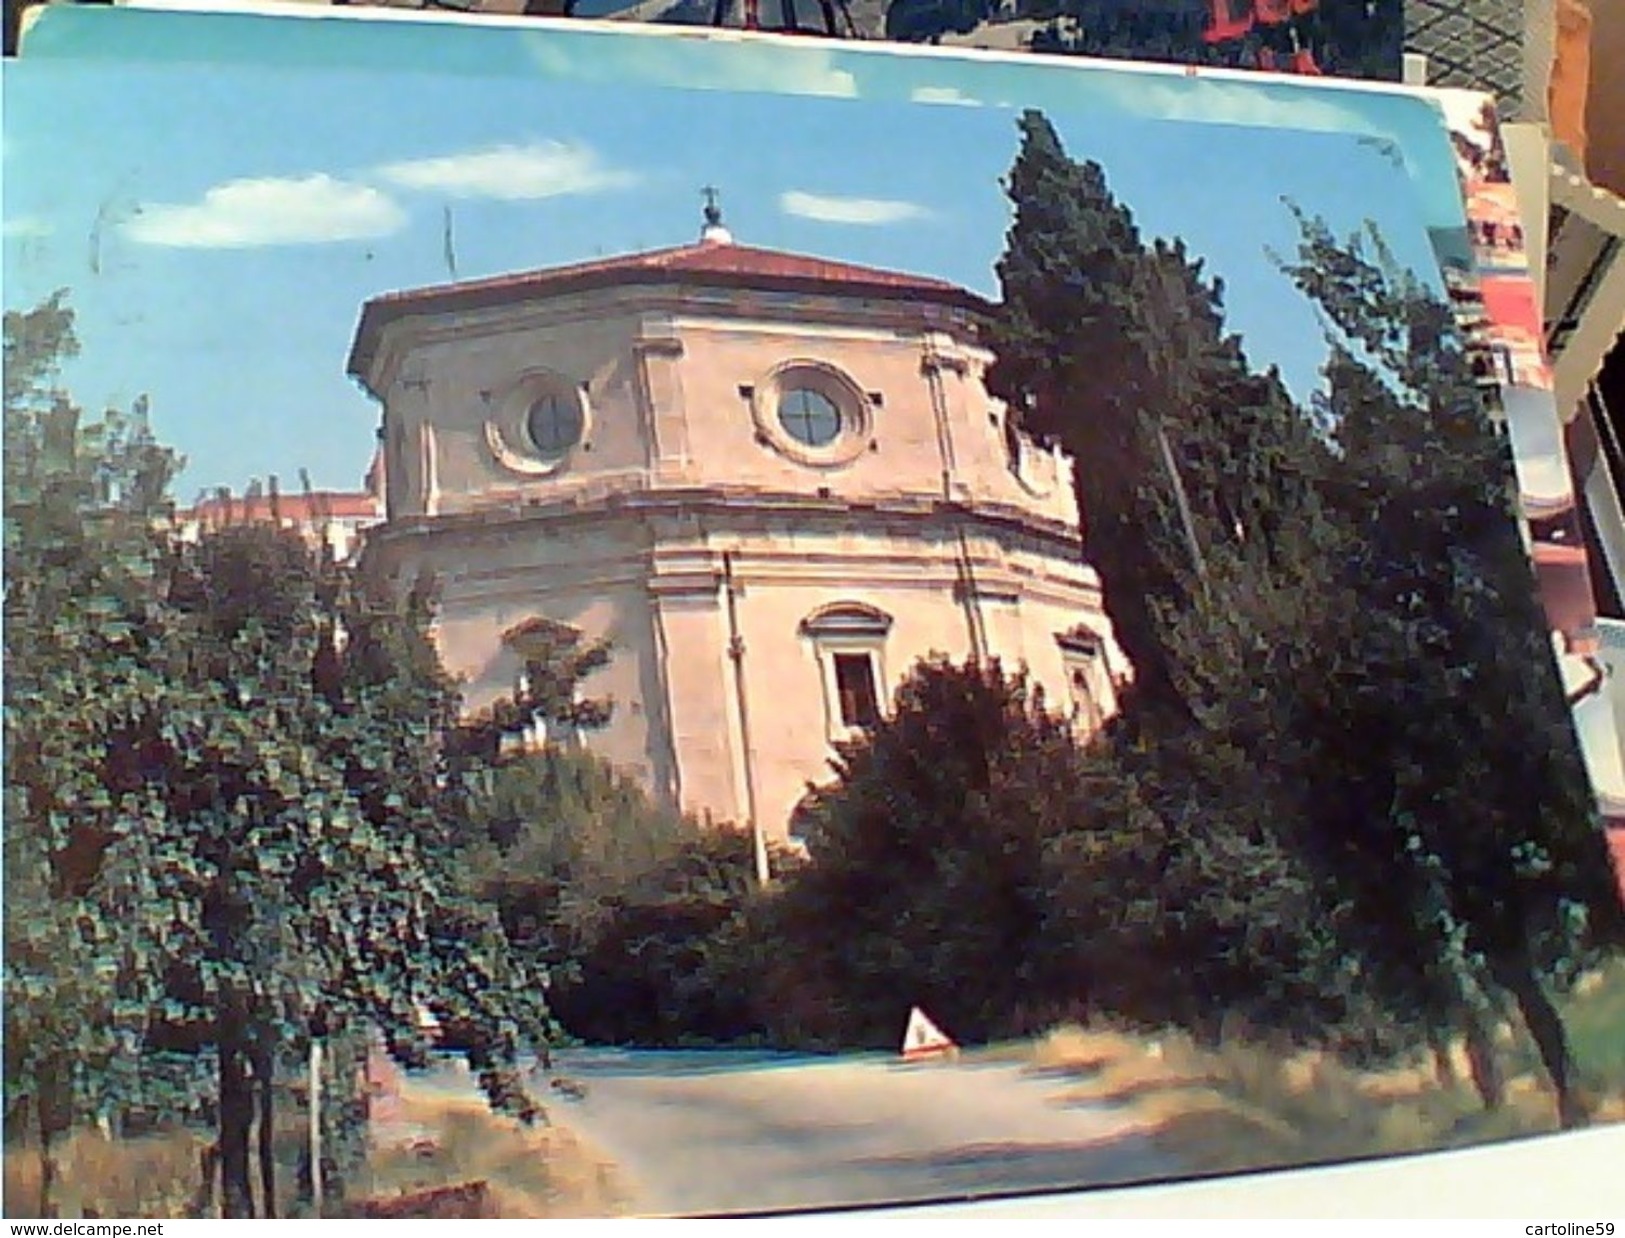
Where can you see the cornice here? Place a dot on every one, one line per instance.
(731, 507)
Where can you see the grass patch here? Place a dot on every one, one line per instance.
(528, 1173)
(1595, 1016)
(153, 1176)
(1245, 1105)
(539, 1171)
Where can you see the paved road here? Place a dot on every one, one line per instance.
(727, 1131)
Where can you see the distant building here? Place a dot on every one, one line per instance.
(773, 482)
(338, 518)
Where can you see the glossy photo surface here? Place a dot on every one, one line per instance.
(867, 631)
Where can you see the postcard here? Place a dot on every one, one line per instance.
(657, 650)
(1420, 129)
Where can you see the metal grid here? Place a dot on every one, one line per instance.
(1476, 44)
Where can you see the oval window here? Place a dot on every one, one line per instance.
(553, 425)
(810, 417)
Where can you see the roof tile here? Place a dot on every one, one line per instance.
(721, 265)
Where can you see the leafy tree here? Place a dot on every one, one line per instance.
(234, 777)
(1107, 345)
(673, 959)
(1294, 579)
(636, 914)
(1198, 484)
(926, 854)
(553, 839)
(80, 563)
(315, 851)
(1474, 797)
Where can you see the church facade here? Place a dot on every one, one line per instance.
(771, 482)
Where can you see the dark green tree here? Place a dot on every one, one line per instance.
(1313, 593)
(926, 856)
(1198, 482)
(1472, 804)
(553, 839)
(1110, 346)
(673, 961)
(636, 913)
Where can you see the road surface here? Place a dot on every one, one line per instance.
(725, 1131)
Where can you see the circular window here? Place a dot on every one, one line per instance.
(539, 423)
(812, 413)
(553, 425)
(808, 416)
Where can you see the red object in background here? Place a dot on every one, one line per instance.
(1231, 20)
(1510, 301)
(1234, 18)
(1565, 592)
(1303, 61)
(1616, 844)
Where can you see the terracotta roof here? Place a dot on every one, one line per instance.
(705, 264)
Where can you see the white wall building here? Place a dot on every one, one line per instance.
(772, 482)
(337, 518)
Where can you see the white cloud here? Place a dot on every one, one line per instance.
(27, 228)
(1230, 103)
(1263, 104)
(742, 64)
(832, 210)
(243, 214)
(510, 173)
(943, 94)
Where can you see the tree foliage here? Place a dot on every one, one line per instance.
(924, 880)
(81, 562)
(673, 960)
(1345, 736)
(553, 839)
(229, 779)
(636, 913)
(1475, 796)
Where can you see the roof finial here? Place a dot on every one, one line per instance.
(714, 233)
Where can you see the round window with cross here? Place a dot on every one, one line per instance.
(809, 416)
(539, 423)
(553, 425)
(813, 413)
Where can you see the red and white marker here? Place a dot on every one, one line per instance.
(924, 1039)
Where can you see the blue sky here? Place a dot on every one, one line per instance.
(220, 227)
(393, 41)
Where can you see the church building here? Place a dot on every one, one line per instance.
(771, 482)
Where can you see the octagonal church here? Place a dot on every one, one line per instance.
(771, 482)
